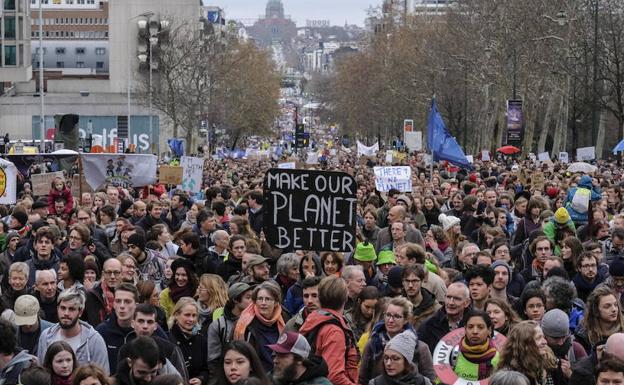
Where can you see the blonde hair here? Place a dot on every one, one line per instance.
(216, 289)
(182, 302)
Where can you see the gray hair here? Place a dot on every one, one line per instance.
(217, 234)
(349, 271)
(508, 377)
(286, 262)
(39, 272)
(76, 296)
(19, 267)
(464, 288)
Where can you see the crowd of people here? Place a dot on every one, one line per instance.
(150, 285)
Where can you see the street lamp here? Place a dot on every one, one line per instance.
(143, 15)
(42, 116)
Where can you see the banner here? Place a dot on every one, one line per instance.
(8, 183)
(367, 151)
(398, 177)
(170, 174)
(122, 170)
(515, 121)
(79, 181)
(42, 183)
(192, 174)
(585, 153)
(310, 210)
(485, 156)
(287, 165)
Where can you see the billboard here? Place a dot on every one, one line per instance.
(515, 121)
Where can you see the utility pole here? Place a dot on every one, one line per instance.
(41, 93)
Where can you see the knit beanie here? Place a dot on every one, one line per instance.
(556, 323)
(448, 221)
(21, 217)
(404, 344)
(395, 277)
(562, 216)
(617, 268)
(138, 240)
(365, 252)
(500, 262)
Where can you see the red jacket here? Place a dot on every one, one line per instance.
(331, 345)
(66, 194)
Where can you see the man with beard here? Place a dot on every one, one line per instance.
(557, 333)
(88, 345)
(294, 365)
(150, 267)
(502, 274)
(258, 270)
(46, 292)
(142, 365)
(101, 298)
(310, 303)
(588, 276)
(423, 300)
(153, 216)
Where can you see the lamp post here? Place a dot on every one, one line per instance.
(143, 15)
(42, 115)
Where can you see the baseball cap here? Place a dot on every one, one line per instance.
(237, 289)
(291, 342)
(26, 310)
(255, 260)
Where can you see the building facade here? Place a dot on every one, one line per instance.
(15, 52)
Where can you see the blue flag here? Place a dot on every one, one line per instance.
(177, 147)
(441, 143)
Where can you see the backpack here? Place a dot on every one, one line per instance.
(580, 200)
(349, 336)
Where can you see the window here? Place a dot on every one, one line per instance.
(9, 27)
(80, 51)
(79, 64)
(9, 5)
(10, 55)
(60, 64)
(45, 50)
(100, 51)
(60, 50)
(99, 65)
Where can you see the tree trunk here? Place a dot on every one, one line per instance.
(541, 144)
(529, 129)
(559, 128)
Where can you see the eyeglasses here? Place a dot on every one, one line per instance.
(112, 272)
(265, 299)
(392, 359)
(395, 317)
(410, 282)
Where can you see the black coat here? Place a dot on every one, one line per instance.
(115, 337)
(583, 372)
(194, 351)
(94, 312)
(229, 268)
(434, 328)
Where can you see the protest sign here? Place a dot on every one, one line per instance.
(470, 158)
(563, 157)
(413, 140)
(485, 155)
(42, 183)
(389, 154)
(537, 181)
(312, 158)
(287, 165)
(398, 177)
(8, 182)
(192, 174)
(585, 153)
(367, 150)
(170, 174)
(310, 210)
(543, 156)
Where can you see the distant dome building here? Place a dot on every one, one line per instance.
(275, 27)
(274, 10)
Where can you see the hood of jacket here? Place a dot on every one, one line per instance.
(316, 318)
(315, 367)
(586, 182)
(20, 358)
(427, 302)
(86, 333)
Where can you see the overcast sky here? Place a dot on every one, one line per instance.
(337, 11)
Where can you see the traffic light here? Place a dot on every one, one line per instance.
(299, 136)
(152, 32)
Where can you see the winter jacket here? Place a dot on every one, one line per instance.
(434, 328)
(22, 337)
(10, 375)
(370, 236)
(425, 309)
(115, 337)
(166, 302)
(152, 268)
(229, 268)
(469, 370)
(204, 239)
(331, 344)
(422, 359)
(584, 288)
(95, 308)
(316, 373)
(65, 194)
(550, 230)
(294, 296)
(583, 371)
(295, 323)
(584, 183)
(411, 378)
(194, 351)
(220, 334)
(256, 219)
(92, 349)
(35, 264)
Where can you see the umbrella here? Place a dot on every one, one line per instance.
(508, 150)
(582, 167)
(619, 147)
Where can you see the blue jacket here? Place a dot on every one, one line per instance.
(114, 336)
(596, 195)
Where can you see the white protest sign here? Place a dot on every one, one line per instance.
(287, 165)
(563, 157)
(192, 174)
(428, 159)
(312, 158)
(485, 155)
(8, 182)
(543, 156)
(470, 158)
(398, 177)
(585, 153)
(532, 157)
(367, 150)
(413, 140)
(389, 156)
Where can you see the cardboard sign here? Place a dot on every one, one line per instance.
(42, 183)
(170, 174)
(563, 157)
(192, 174)
(77, 180)
(310, 210)
(413, 140)
(485, 155)
(537, 181)
(398, 177)
(543, 156)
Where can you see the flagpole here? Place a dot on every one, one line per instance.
(431, 149)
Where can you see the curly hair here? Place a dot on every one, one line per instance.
(591, 321)
(520, 352)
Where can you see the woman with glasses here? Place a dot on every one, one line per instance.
(183, 284)
(262, 322)
(396, 320)
(185, 334)
(397, 365)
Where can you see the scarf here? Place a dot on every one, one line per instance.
(178, 292)
(58, 380)
(537, 265)
(252, 312)
(481, 355)
(109, 299)
(204, 312)
(406, 378)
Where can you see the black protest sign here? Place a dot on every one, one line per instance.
(310, 210)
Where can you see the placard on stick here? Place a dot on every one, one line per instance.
(310, 210)
(170, 174)
(42, 183)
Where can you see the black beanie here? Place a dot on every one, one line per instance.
(138, 240)
(21, 217)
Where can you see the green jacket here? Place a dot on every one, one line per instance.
(468, 370)
(550, 229)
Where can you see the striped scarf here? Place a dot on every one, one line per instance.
(481, 355)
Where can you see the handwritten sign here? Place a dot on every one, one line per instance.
(398, 177)
(537, 181)
(485, 155)
(170, 174)
(563, 157)
(585, 153)
(543, 156)
(310, 210)
(192, 174)
(42, 183)
(287, 165)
